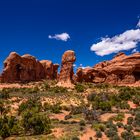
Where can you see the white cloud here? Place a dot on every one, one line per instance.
(74, 65)
(135, 51)
(138, 25)
(125, 41)
(62, 36)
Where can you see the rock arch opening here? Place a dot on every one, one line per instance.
(18, 72)
(137, 75)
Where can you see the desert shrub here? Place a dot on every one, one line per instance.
(126, 93)
(110, 133)
(2, 108)
(68, 117)
(4, 95)
(35, 123)
(128, 128)
(58, 89)
(81, 128)
(82, 123)
(98, 134)
(5, 131)
(123, 105)
(91, 115)
(79, 88)
(137, 118)
(136, 99)
(119, 117)
(6, 125)
(46, 86)
(102, 86)
(32, 103)
(127, 135)
(66, 108)
(105, 106)
(98, 126)
(115, 137)
(129, 120)
(46, 106)
(77, 109)
(119, 124)
(91, 97)
(111, 126)
(75, 138)
(56, 108)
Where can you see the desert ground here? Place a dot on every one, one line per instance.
(42, 110)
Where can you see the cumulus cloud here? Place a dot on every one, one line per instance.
(62, 36)
(125, 41)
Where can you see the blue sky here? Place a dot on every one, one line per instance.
(36, 26)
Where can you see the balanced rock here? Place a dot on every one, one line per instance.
(66, 73)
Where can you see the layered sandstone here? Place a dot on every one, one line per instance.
(122, 69)
(26, 68)
(66, 72)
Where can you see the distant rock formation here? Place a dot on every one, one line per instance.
(122, 69)
(26, 68)
(66, 73)
(50, 69)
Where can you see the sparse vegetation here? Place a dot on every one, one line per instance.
(43, 108)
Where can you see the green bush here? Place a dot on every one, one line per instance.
(128, 128)
(32, 103)
(98, 134)
(6, 125)
(110, 133)
(98, 126)
(5, 131)
(129, 120)
(58, 89)
(119, 117)
(4, 95)
(35, 123)
(77, 110)
(126, 93)
(56, 108)
(137, 118)
(105, 106)
(79, 88)
(91, 97)
(127, 135)
(75, 138)
(82, 123)
(119, 124)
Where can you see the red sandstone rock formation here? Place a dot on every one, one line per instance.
(122, 69)
(26, 68)
(66, 73)
(50, 69)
